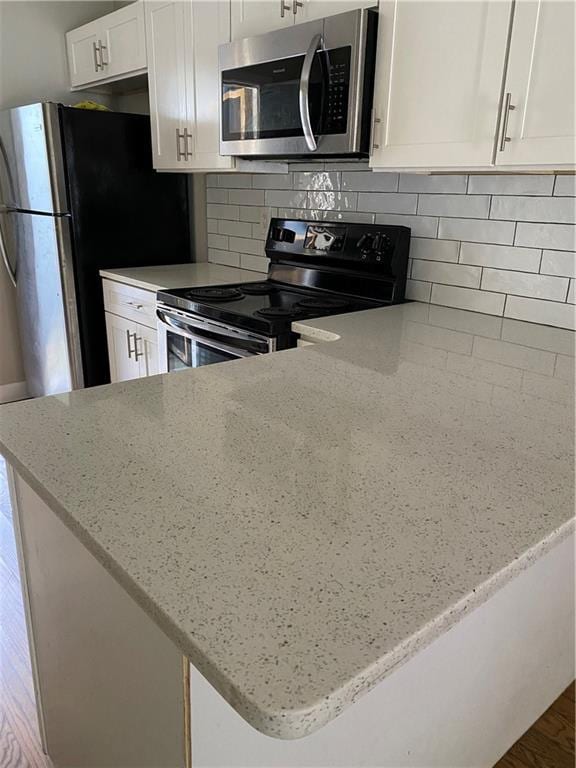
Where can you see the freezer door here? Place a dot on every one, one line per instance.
(46, 302)
(31, 164)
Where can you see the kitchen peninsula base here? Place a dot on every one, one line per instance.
(111, 690)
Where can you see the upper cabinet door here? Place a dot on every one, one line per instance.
(308, 10)
(438, 83)
(254, 17)
(540, 85)
(124, 41)
(83, 60)
(166, 46)
(207, 28)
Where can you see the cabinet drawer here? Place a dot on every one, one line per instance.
(130, 302)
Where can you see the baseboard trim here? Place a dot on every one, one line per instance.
(17, 390)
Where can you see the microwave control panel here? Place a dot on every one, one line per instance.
(336, 116)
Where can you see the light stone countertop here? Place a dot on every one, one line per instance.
(302, 523)
(180, 275)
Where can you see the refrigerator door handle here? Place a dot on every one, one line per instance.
(5, 259)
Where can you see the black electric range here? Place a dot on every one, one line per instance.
(316, 269)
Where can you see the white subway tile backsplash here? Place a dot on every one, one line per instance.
(558, 263)
(256, 263)
(502, 245)
(387, 202)
(246, 196)
(421, 226)
(500, 256)
(333, 201)
(286, 198)
(272, 181)
(418, 291)
(525, 284)
(540, 311)
(557, 236)
(215, 195)
(447, 274)
(361, 181)
(218, 241)
(250, 213)
(217, 211)
(228, 258)
(470, 206)
(477, 230)
(565, 185)
(245, 245)
(444, 183)
(237, 228)
(317, 180)
(556, 209)
(434, 250)
(523, 184)
(468, 298)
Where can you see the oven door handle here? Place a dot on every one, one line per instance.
(165, 320)
(317, 44)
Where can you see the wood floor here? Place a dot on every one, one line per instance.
(548, 744)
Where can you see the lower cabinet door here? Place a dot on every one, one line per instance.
(122, 338)
(146, 346)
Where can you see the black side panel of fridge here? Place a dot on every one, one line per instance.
(124, 214)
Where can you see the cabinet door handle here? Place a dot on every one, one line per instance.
(137, 353)
(128, 334)
(508, 107)
(283, 8)
(295, 5)
(178, 150)
(375, 121)
(189, 153)
(103, 47)
(96, 60)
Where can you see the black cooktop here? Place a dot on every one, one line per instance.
(266, 306)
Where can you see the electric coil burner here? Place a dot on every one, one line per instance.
(257, 289)
(316, 269)
(214, 294)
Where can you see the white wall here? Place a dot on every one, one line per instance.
(33, 67)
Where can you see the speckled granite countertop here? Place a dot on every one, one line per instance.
(180, 275)
(302, 523)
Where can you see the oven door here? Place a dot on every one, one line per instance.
(295, 91)
(186, 341)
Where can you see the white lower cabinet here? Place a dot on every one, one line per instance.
(132, 349)
(130, 331)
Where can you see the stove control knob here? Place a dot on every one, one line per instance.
(364, 243)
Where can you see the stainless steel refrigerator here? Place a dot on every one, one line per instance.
(78, 194)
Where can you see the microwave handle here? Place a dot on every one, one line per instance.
(316, 44)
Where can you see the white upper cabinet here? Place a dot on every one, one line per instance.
(254, 17)
(540, 86)
(108, 49)
(124, 41)
(166, 81)
(438, 83)
(182, 41)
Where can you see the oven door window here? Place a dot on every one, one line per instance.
(186, 353)
(261, 101)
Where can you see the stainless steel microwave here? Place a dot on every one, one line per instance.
(303, 90)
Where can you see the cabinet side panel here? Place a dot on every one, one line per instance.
(111, 681)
